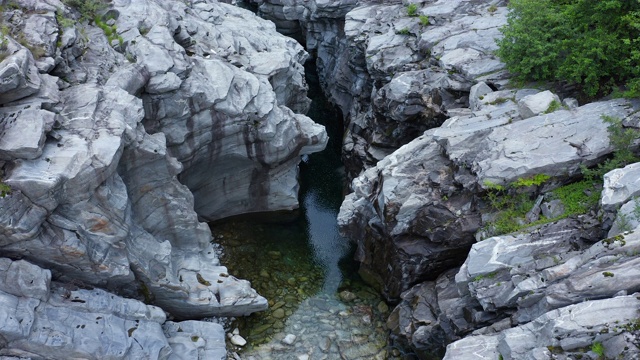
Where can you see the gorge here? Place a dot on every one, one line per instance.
(126, 127)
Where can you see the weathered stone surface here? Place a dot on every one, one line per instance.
(226, 119)
(567, 331)
(191, 91)
(195, 340)
(433, 314)
(18, 74)
(537, 104)
(627, 218)
(415, 213)
(555, 144)
(66, 322)
(22, 132)
(620, 185)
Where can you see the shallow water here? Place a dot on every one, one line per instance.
(319, 307)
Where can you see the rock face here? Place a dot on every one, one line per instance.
(391, 74)
(415, 214)
(536, 293)
(107, 133)
(44, 319)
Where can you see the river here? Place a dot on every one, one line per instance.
(319, 306)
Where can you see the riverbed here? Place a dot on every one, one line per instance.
(319, 306)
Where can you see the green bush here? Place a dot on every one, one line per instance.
(593, 44)
(424, 20)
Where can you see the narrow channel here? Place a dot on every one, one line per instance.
(319, 307)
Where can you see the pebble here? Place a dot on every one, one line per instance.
(289, 339)
(278, 313)
(347, 296)
(238, 340)
(383, 307)
(325, 344)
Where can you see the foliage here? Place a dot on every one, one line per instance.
(537, 179)
(412, 10)
(511, 207)
(485, 276)
(110, 31)
(88, 9)
(4, 32)
(577, 198)
(493, 8)
(4, 189)
(404, 31)
(593, 44)
(555, 105)
(63, 21)
(424, 20)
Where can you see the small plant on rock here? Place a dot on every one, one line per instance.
(412, 10)
(598, 349)
(404, 31)
(424, 20)
(4, 189)
(555, 105)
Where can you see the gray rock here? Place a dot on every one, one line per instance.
(289, 339)
(552, 209)
(503, 272)
(567, 331)
(195, 340)
(537, 104)
(18, 75)
(570, 103)
(66, 321)
(413, 214)
(22, 132)
(433, 314)
(571, 139)
(477, 92)
(620, 185)
(627, 218)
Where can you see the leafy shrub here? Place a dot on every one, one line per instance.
(593, 44)
(424, 20)
(404, 31)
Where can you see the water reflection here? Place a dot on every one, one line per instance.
(328, 246)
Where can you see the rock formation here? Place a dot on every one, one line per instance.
(118, 135)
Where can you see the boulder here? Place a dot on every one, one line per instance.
(620, 185)
(415, 214)
(537, 104)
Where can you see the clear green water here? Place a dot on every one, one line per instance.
(305, 269)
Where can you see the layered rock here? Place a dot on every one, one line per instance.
(591, 330)
(44, 319)
(108, 132)
(393, 75)
(512, 286)
(415, 214)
